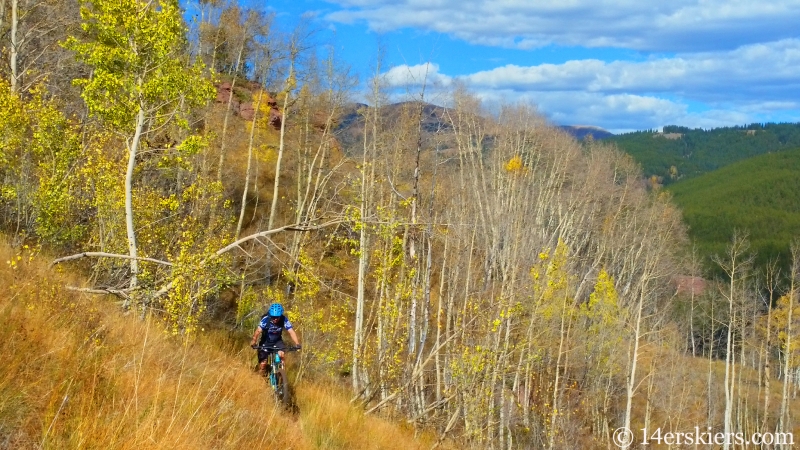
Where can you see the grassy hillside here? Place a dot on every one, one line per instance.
(760, 195)
(78, 374)
(681, 153)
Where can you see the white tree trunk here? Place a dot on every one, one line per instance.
(728, 368)
(247, 173)
(133, 148)
(281, 145)
(14, 44)
(634, 356)
(227, 115)
(783, 424)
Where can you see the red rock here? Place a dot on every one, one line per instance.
(246, 111)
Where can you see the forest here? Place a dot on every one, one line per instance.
(758, 196)
(489, 281)
(679, 153)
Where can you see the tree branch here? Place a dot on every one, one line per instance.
(106, 255)
(236, 244)
(118, 292)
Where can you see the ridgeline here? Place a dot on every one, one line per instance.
(680, 153)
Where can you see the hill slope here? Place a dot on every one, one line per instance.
(78, 374)
(581, 131)
(680, 153)
(760, 195)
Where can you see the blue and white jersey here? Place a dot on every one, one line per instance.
(272, 332)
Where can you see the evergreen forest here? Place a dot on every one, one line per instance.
(759, 196)
(680, 153)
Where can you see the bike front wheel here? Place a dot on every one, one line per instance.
(281, 387)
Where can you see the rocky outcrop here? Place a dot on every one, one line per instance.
(246, 110)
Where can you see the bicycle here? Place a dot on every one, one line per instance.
(276, 372)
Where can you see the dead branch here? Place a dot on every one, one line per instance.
(236, 244)
(106, 255)
(118, 292)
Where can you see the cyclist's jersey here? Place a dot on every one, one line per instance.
(272, 332)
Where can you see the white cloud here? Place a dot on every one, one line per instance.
(418, 75)
(753, 83)
(678, 25)
(766, 71)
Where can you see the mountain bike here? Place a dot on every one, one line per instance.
(275, 372)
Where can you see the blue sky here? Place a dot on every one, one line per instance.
(621, 65)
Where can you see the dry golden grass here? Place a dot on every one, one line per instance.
(78, 373)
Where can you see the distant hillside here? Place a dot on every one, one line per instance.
(760, 195)
(680, 153)
(350, 127)
(581, 131)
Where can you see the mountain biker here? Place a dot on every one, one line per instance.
(270, 331)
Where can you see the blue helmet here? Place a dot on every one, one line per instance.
(275, 310)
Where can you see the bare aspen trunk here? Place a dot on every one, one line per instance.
(367, 187)
(247, 171)
(15, 42)
(783, 422)
(633, 358)
(412, 244)
(2, 13)
(735, 267)
(133, 148)
(709, 377)
(439, 312)
(648, 411)
(556, 385)
(223, 140)
(728, 381)
(359, 325)
(284, 110)
(728, 357)
(767, 359)
(363, 262)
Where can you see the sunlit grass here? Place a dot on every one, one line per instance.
(79, 373)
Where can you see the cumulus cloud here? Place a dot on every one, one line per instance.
(418, 75)
(764, 71)
(749, 84)
(678, 25)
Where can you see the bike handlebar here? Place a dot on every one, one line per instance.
(273, 348)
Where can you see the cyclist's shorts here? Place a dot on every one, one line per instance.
(263, 354)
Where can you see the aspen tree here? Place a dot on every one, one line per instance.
(141, 79)
(253, 128)
(735, 266)
(254, 24)
(319, 162)
(771, 279)
(783, 420)
(15, 44)
(296, 46)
